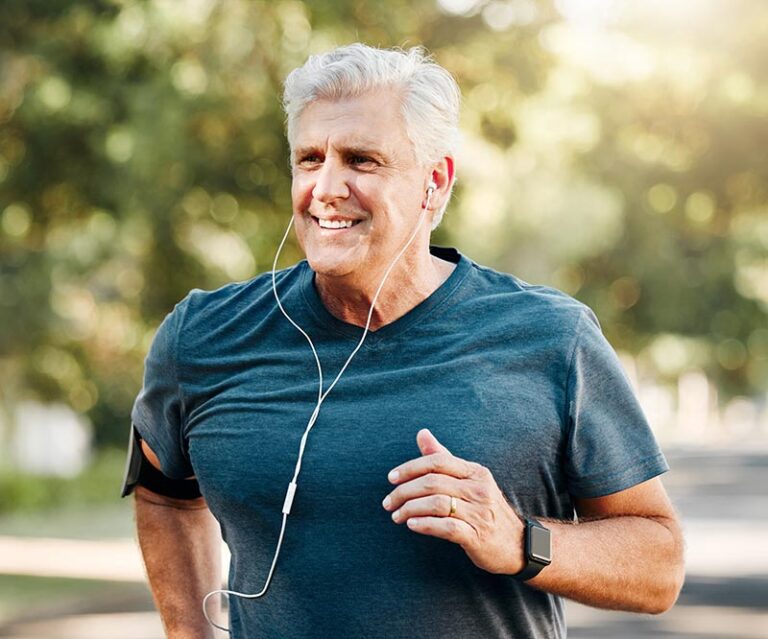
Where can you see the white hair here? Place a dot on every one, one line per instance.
(429, 94)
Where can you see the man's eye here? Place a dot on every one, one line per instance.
(360, 159)
(311, 158)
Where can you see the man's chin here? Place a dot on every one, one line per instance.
(331, 268)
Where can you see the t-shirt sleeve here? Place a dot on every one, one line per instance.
(158, 412)
(610, 445)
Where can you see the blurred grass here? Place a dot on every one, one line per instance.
(107, 521)
(84, 507)
(98, 484)
(23, 597)
(87, 506)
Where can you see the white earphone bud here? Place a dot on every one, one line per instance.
(432, 186)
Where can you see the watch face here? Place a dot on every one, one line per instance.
(541, 549)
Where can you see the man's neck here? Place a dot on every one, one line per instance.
(351, 302)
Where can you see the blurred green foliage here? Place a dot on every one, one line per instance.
(97, 484)
(611, 149)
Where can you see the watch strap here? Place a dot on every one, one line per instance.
(533, 566)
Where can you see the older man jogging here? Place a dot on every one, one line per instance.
(395, 440)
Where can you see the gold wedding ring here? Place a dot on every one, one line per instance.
(453, 507)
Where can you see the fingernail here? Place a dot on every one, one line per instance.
(395, 515)
(413, 522)
(387, 501)
(394, 475)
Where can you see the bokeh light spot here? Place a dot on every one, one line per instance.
(102, 226)
(670, 354)
(196, 202)
(570, 278)
(700, 207)
(224, 208)
(662, 198)
(189, 77)
(130, 282)
(459, 7)
(500, 16)
(55, 93)
(731, 354)
(57, 364)
(119, 145)
(626, 292)
(16, 220)
(83, 396)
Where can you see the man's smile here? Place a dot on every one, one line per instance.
(335, 223)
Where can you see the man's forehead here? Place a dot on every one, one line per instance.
(371, 120)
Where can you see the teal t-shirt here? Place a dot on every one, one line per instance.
(515, 377)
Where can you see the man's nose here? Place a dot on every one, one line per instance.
(331, 183)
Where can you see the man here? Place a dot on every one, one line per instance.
(489, 415)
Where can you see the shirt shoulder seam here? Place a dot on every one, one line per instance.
(569, 372)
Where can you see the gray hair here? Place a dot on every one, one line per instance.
(430, 96)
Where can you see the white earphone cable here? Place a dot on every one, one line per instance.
(320, 399)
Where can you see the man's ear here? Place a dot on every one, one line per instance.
(442, 175)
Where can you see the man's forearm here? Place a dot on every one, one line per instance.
(180, 542)
(626, 563)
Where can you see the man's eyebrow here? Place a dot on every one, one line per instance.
(371, 149)
(304, 150)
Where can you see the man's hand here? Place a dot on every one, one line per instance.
(625, 552)
(484, 524)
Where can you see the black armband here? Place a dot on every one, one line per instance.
(139, 471)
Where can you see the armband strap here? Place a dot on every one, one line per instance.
(139, 471)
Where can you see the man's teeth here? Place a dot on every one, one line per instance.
(335, 224)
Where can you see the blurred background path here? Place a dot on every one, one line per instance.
(723, 499)
(68, 588)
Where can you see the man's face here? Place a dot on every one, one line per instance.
(354, 164)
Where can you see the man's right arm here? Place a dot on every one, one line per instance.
(181, 544)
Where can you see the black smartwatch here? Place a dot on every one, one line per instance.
(538, 550)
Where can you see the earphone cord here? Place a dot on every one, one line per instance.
(320, 399)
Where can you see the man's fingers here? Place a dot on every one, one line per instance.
(432, 506)
(429, 484)
(437, 506)
(448, 528)
(443, 463)
(428, 443)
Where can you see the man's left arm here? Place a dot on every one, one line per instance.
(625, 552)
